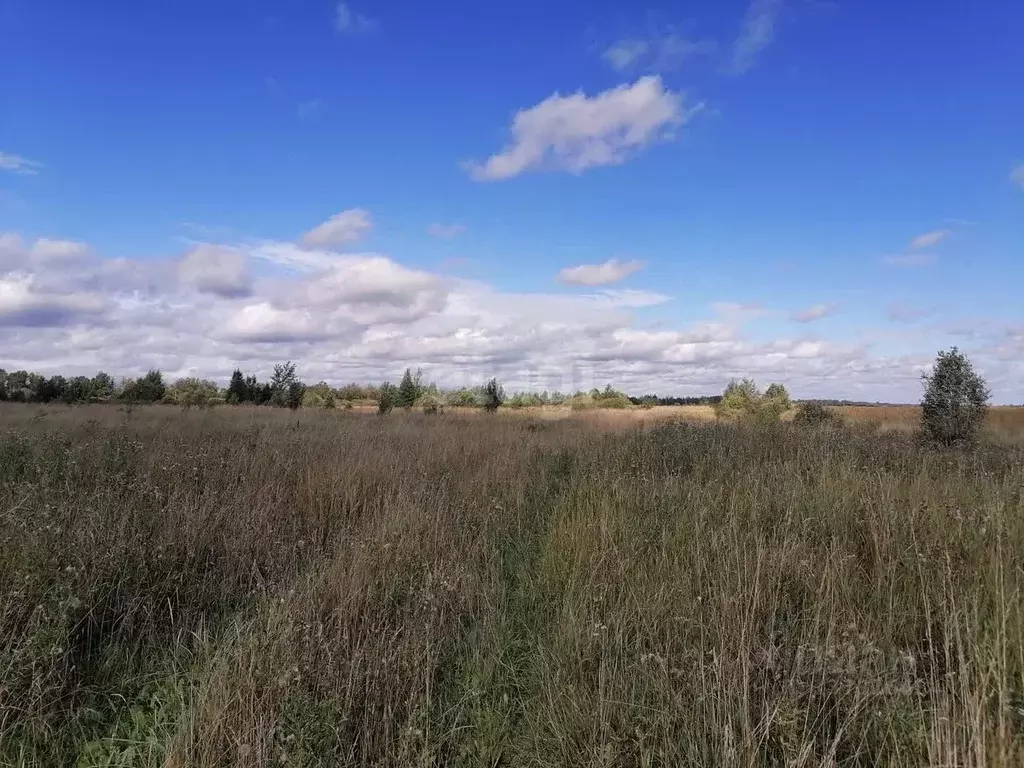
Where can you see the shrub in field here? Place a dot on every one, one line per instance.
(739, 401)
(431, 404)
(816, 415)
(955, 400)
(524, 400)
(776, 397)
(319, 396)
(493, 396)
(149, 389)
(386, 397)
(743, 401)
(609, 398)
(193, 392)
(618, 402)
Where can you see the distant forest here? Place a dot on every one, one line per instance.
(285, 389)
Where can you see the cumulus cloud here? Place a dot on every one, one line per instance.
(1017, 175)
(756, 34)
(19, 164)
(348, 22)
(916, 259)
(816, 312)
(611, 271)
(216, 269)
(929, 239)
(23, 302)
(263, 322)
(366, 316)
(446, 230)
(576, 132)
(342, 228)
(15, 253)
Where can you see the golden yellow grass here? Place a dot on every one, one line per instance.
(1006, 419)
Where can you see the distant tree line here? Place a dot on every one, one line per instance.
(953, 408)
(653, 400)
(286, 390)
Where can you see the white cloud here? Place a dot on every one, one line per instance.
(348, 22)
(445, 230)
(657, 53)
(365, 317)
(1017, 175)
(23, 302)
(345, 227)
(625, 53)
(930, 239)
(917, 259)
(816, 312)
(16, 255)
(577, 132)
(263, 322)
(46, 249)
(18, 164)
(756, 34)
(216, 269)
(611, 271)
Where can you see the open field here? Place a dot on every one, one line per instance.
(1003, 420)
(253, 586)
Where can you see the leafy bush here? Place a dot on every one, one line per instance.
(817, 415)
(386, 398)
(524, 400)
(149, 389)
(581, 402)
(193, 392)
(431, 404)
(743, 401)
(463, 398)
(493, 396)
(955, 400)
(739, 401)
(318, 396)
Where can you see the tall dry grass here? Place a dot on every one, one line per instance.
(253, 587)
(1004, 420)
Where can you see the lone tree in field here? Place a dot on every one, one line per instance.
(739, 401)
(955, 400)
(743, 401)
(386, 398)
(493, 396)
(775, 402)
(286, 387)
(237, 391)
(408, 391)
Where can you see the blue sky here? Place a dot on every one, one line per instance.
(562, 193)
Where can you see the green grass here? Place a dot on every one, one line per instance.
(253, 587)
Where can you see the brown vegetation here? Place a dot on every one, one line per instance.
(250, 586)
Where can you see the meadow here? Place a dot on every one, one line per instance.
(244, 586)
